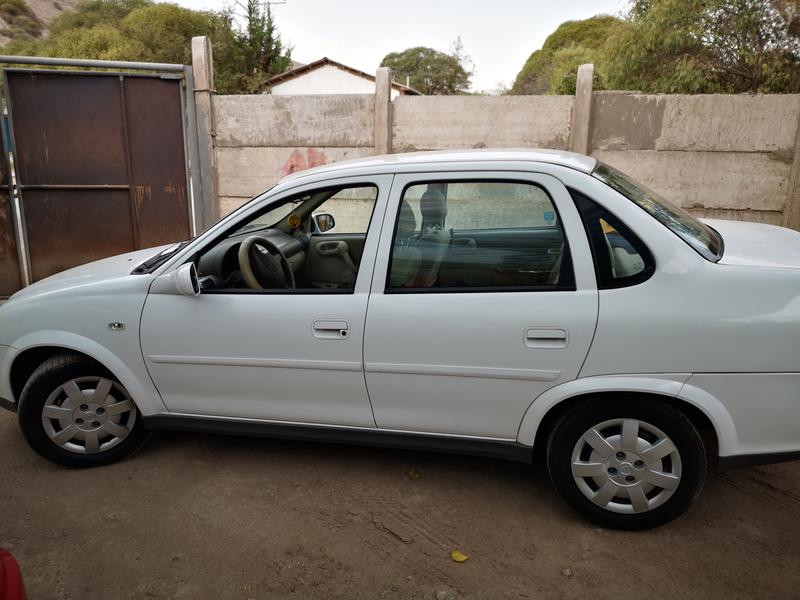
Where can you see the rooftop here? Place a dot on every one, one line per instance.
(572, 160)
(302, 69)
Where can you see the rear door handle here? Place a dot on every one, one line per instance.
(546, 337)
(331, 329)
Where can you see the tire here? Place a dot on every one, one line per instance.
(646, 467)
(75, 413)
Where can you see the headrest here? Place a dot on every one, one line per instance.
(406, 223)
(433, 206)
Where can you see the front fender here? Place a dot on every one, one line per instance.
(131, 371)
(667, 385)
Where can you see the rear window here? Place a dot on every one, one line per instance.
(704, 239)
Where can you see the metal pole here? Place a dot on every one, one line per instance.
(100, 64)
(198, 223)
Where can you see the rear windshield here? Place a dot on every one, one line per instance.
(704, 239)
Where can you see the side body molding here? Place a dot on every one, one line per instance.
(669, 385)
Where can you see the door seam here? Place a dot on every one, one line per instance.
(369, 297)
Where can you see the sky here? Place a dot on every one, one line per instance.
(499, 35)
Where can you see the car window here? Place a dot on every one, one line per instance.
(523, 204)
(705, 240)
(282, 248)
(478, 236)
(620, 257)
(273, 216)
(350, 211)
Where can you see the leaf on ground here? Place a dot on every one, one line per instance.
(458, 556)
(413, 474)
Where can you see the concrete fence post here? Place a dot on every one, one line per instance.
(203, 67)
(580, 127)
(791, 213)
(383, 111)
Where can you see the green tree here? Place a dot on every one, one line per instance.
(141, 30)
(564, 65)
(546, 70)
(264, 54)
(705, 46)
(429, 71)
(790, 10)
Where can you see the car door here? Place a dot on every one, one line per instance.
(288, 355)
(483, 297)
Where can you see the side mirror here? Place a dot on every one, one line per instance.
(325, 222)
(185, 280)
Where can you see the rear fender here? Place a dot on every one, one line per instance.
(670, 386)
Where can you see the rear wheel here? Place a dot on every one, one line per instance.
(630, 463)
(74, 412)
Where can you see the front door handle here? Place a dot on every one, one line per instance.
(546, 337)
(331, 329)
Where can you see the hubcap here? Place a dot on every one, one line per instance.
(626, 466)
(87, 415)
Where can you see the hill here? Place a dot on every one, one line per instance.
(26, 19)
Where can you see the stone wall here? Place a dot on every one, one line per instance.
(724, 156)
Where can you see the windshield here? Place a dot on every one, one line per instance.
(704, 239)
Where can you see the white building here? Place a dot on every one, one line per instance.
(326, 76)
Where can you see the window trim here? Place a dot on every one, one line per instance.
(605, 272)
(566, 259)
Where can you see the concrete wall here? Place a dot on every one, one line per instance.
(442, 122)
(719, 156)
(732, 157)
(262, 138)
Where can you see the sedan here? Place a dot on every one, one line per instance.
(503, 303)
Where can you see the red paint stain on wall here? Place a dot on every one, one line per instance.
(299, 161)
(316, 158)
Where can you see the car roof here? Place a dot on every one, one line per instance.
(572, 160)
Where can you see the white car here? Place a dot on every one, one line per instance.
(484, 302)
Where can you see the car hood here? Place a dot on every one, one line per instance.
(758, 244)
(90, 274)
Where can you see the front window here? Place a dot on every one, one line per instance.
(307, 243)
(705, 240)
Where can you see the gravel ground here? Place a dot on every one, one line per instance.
(195, 516)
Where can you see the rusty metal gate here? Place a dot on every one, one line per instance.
(101, 168)
(10, 279)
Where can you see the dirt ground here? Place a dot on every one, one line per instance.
(196, 516)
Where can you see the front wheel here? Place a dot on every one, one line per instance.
(74, 412)
(630, 463)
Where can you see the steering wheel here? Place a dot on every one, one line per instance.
(264, 265)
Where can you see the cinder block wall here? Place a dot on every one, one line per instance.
(724, 156)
